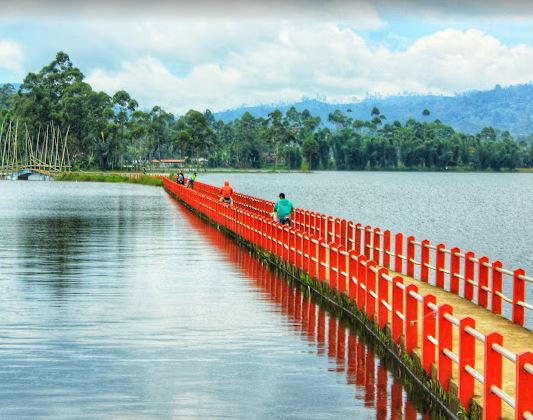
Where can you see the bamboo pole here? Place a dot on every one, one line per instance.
(53, 145)
(64, 148)
(11, 151)
(2, 142)
(7, 144)
(15, 147)
(69, 167)
(25, 161)
(45, 149)
(30, 149)
(36, 156)
(19, 150)
(56, 157)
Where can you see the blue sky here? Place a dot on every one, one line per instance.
(181, 55)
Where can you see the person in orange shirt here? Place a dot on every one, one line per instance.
(226, 193)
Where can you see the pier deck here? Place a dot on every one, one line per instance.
(515, 337)
(436, 310)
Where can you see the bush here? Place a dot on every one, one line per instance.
(304, 167)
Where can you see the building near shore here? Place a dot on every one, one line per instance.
(167, 163)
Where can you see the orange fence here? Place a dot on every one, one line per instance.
(356, 261)
(474, 278)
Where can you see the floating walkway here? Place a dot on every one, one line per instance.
(326, 334)
(439, 308)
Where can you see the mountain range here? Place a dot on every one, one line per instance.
(504, 108)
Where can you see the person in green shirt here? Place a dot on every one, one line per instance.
(190, 184)
(283, 208)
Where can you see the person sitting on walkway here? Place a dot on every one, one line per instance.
(181, 178)
(190, 184)
(226, 193)
(283, 208)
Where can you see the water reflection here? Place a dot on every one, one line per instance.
(144, 311)
(49, 246)
(347, 352)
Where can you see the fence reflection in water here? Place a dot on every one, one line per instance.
(347, 352)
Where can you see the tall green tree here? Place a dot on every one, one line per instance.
(41, 96)
(278, 133)
(311, 152)
(194, 135)
(7, 92)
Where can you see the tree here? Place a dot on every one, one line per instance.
(123, 105)
(248, 135)
(339, 119)
(509, 154)
(324, 149)
(141, 145)
(41, 95)
(310, 123)
(194, 135)
(7, 93)
(57, 94)
(377, 118)
(278, 134)
(293, 156)
(311, 152)
(355, 154)
(160, 127)
(487, 134)
(86, 113)
(105, 131)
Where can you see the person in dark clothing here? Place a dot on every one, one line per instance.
(180, 178)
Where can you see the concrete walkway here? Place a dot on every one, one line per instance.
(515, 338)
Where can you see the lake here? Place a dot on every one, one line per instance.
(116, 302)
(488, 213)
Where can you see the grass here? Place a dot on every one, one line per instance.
(109, 177)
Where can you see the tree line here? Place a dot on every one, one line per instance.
(113, 132)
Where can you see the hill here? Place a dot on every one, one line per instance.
(504, 108)
(15, 85)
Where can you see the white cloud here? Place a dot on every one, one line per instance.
(453, 60)
(10, 56)
(294, 60)
(148, 80)
(185, 42)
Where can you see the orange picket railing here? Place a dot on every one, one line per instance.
(474, 278)
(357, 261)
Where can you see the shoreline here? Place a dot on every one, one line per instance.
(112, 177)
(150, 177)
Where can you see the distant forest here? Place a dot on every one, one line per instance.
(504, 108)
(111, 133)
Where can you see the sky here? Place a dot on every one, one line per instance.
(219, 55)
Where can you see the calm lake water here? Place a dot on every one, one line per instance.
(488, 213)
(116, 302)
